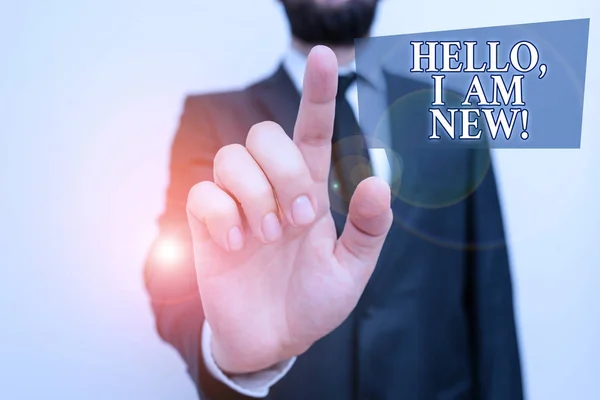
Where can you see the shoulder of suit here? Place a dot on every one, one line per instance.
(200, 99)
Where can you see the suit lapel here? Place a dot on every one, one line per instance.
(279, 99)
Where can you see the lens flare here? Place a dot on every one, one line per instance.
(168, 252)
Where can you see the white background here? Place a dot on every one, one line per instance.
(90, 94)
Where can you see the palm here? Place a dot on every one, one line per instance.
(295, 288)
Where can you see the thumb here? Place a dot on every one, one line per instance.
(368, 223)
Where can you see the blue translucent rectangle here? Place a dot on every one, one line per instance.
(540, 93)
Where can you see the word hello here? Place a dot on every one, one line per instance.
(504, 88)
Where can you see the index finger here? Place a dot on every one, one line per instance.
(314, 125)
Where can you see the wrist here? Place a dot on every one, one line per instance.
(246, 360)
(237, 362)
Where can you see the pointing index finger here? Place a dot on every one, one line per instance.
(314, 125)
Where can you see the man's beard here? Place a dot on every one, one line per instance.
(329, 25)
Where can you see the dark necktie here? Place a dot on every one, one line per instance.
(349, 156)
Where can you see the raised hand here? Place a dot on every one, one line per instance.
(273, 276)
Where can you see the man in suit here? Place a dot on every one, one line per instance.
(311, 263)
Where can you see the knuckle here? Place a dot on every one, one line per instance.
(227, 153)
(198, 191)
(208, 200)
(223, 210)
(291, 178)
(197, 197)
(260, 132)
(261, 196)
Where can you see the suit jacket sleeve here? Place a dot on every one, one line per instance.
(490, 297)
(172, 285)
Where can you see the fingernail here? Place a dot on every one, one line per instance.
(303, 212)
(235, 239)
(271, 228)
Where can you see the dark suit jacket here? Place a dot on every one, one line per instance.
(436, 319)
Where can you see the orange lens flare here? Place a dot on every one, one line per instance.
(168, 252)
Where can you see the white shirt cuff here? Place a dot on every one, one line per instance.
(255, 384)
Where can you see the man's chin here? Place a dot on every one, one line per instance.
(333, 3)
(331, 22)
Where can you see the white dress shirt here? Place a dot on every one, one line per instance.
(258, 384)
